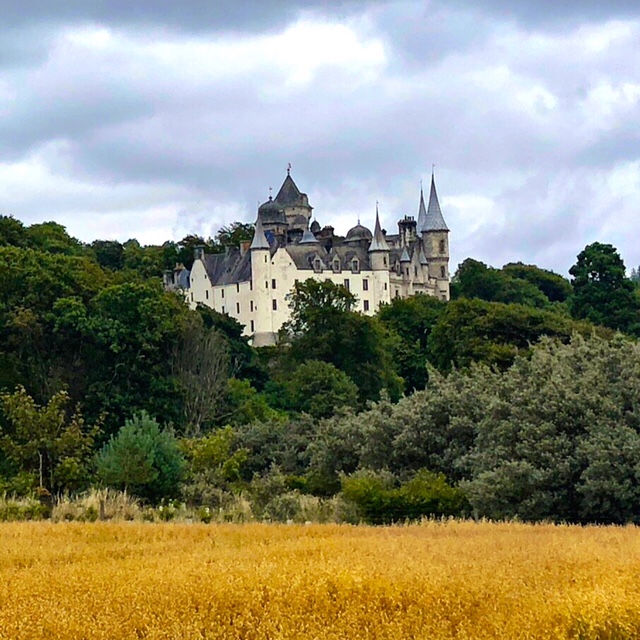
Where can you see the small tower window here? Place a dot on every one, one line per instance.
(384, 260)
(365, 285)
(273, 283)
(251, 306)
(253, 326)
(237, 307)
(441, 246)
(366, 305)
(415, 272)
(274, 305)
(222, 293)
(443, 272)
(237, 287)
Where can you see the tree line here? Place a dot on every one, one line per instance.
(515, 399)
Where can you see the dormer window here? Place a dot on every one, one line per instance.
(317, 265)
(335, 264)
(355, 265)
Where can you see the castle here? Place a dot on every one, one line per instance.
(251, 282)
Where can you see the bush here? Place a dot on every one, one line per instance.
(379, 501)
(142, 459)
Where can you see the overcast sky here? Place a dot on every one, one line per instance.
(124, 118)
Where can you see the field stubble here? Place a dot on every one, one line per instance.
(434, 580)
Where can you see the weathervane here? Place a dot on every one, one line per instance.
(270, 190)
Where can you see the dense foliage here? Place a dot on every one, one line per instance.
(515, 399)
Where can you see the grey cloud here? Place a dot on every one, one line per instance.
(546, 13)
(190, 15)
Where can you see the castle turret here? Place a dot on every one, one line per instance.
(379, 249)
(262, 324)
(435, 237)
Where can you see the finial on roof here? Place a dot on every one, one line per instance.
(270, 190)
(288, 168)
(433, 170)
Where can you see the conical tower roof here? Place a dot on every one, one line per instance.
(405, 257)
(379, 242)
(434, 220)
(289, 193)
(422, 212)
(308, 238)
(259, 239)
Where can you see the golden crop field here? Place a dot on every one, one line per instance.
(431, 581)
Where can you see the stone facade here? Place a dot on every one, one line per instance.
(251, 283)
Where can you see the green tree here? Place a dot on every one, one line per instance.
(142, 459)
(109, 254)
(602, 293)
(235, 233)
(474, 279)
(412, 320)
(494, 333)
(320, 389)
(12, 232)
(46, 442)
(323, 327)
(555, 287)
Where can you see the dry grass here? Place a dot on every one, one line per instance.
(431, 581)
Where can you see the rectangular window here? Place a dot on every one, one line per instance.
(266, 285)
(265, 259)
(397, 293)
(415, 271)
(222, 293)
(222, 308)
(365, 285)
(346, 284)
(192, 296)
(237, 307)
(443, 272)
(253, 326)
(237, 287)
(366, 305)
(385, 286)
(206, 294)
(250, 285)
(273, 283)
(274, 304)
(251, 306)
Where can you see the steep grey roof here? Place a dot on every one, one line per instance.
(289, 193)
(423, 258)
(304, 255)
(434, 220)
(379, 242)
(228, 268)
(308, 238)
(422, 213)
(405, 257)
(259, 239)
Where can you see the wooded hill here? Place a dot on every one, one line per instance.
(517, 398)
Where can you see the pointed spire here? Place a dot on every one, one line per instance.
(259, 239)
(434, 220)
(422, 212)
(379, 242)
(405, 257)
(423, 259)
